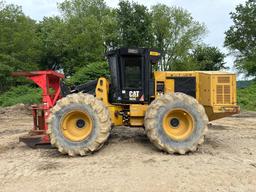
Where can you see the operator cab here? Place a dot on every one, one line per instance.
(131, 75)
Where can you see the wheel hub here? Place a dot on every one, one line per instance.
(80, 123)
(76, 125)
(178, 124)
(174, 122)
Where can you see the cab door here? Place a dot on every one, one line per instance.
(133, 80)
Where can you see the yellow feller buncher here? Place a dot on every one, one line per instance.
(173, 107)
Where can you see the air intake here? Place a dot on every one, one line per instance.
(223, 91)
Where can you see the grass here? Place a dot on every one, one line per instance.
(20, 94)
(247, 97)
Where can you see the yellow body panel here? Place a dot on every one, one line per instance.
(137, 113)
(137, 110)
(137, 121)
(169, 86)
(102, 91)
(115, 118)
(215, 90)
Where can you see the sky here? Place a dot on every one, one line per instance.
(213, 13)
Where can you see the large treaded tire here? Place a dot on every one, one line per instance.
(100, 119)
(154, 123)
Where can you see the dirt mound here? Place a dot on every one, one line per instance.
(18, 109)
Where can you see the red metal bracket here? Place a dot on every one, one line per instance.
(49, 82)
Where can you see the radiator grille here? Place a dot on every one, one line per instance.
(223, 79)
(223, 91)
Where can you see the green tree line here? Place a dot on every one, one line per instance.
(241, 41)
(77, 40)
(241, 37)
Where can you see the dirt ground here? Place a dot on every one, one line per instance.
(128, 162)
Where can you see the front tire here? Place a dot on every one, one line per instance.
(79, 124)
(176, 123)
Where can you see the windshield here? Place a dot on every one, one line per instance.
(132, 72)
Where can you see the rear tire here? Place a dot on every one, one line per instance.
(176, 123)
(79, 124)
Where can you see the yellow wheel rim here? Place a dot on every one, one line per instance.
(76, 125)
(178, 124)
